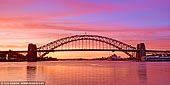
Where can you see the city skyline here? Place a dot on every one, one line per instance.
(40, 22)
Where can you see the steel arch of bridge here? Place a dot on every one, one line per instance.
(60, 42)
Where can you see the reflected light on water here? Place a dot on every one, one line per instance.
(87, 72)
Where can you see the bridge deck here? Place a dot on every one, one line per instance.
(168, 51)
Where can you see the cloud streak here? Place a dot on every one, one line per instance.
(42, 21)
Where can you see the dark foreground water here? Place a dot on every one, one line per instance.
(88, 72)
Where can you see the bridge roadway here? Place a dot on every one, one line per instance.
(59, 50)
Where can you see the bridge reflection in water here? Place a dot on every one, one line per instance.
(86, 43)
(31, 71)
(142, 73)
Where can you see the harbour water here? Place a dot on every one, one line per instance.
(87, 72)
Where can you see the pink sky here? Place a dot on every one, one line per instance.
(39, 22)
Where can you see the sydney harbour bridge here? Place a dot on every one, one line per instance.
(87, 43)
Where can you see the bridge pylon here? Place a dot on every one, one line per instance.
(32, 53)
(141, 51)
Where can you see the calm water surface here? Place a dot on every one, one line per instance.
(88, 72)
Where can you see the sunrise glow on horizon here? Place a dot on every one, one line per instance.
(43, 21)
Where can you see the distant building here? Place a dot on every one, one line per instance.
(156, 57)
(12, 56)
(2, 56)
(114, 57)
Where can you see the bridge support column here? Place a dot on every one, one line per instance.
(141, 52)
(32, 53)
